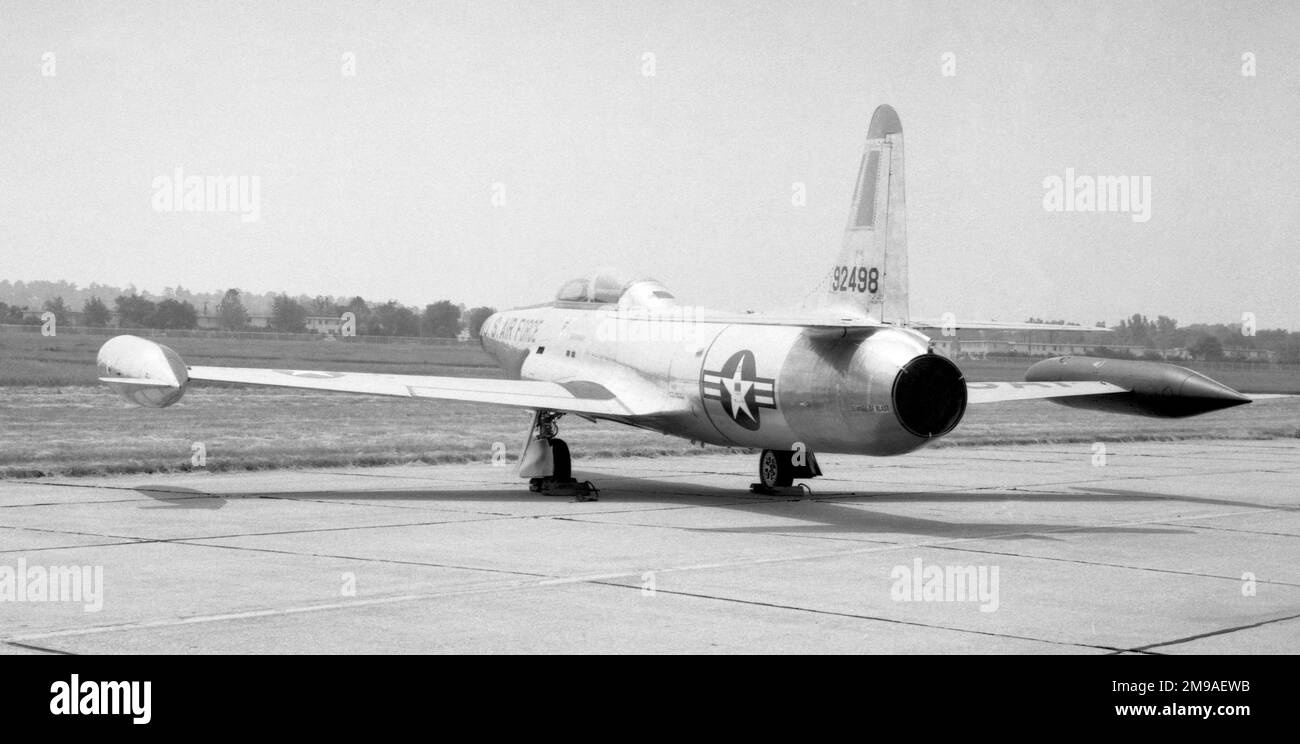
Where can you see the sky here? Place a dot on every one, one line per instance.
(485, 152)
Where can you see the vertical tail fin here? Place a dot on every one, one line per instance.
(870, 274)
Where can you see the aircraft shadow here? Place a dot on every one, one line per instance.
(172, 497)
(1085, 494)
(821, 513)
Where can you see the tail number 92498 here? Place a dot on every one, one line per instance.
(855, 279)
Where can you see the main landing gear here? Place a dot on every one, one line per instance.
(546, 462)
(777, 470)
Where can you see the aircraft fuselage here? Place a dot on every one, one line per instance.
(744, 385)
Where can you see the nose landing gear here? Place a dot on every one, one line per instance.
(547, 464)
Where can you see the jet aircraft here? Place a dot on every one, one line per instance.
(849, 371)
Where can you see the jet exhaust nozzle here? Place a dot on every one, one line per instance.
(929, 396)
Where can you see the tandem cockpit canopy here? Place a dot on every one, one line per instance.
(608, 288)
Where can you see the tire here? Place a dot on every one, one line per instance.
(560, 456)
(775, 470)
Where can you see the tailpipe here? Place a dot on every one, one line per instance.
(929, 396)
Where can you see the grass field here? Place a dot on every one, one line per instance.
(57, 421)
(84, 430)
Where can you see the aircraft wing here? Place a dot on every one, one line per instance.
(997, 392)
(994, 325)
(574, 397)
(814, 326)
(149, 374)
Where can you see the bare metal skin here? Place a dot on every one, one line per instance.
(845, 372)
(833, 394)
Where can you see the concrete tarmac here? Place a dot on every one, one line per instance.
(1169, 548)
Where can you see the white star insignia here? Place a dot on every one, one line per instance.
(738, 388)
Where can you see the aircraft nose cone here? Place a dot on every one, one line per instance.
(929, 395)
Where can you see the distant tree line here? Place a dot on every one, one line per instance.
(1202, 341)
(177, 309)
(441, 319)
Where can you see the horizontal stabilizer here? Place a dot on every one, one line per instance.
(993, 325)
(815, 323)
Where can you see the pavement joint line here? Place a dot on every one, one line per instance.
(486, 517)
(197, 543)
(879, 546)
(102, 486)
(856, 616)
(79, 503)
(1103, 564)
(707, 566)
(138, 540)
(654, 508)
(1094, 525)
(1211, 634)
(1080, 485)
(132, 540)
(1247, 532)
(948, 546)
(50, 531)
(346, 502)
(605, 580)
(280, 533)
(547, 581)
(75, 547)
(42, 649)
(951, 544)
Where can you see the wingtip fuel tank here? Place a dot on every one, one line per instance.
(141, 371)
(1155, 388)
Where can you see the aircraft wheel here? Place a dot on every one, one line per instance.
(775, 469)
(560, 455)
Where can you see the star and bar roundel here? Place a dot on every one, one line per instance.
(739, 389)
